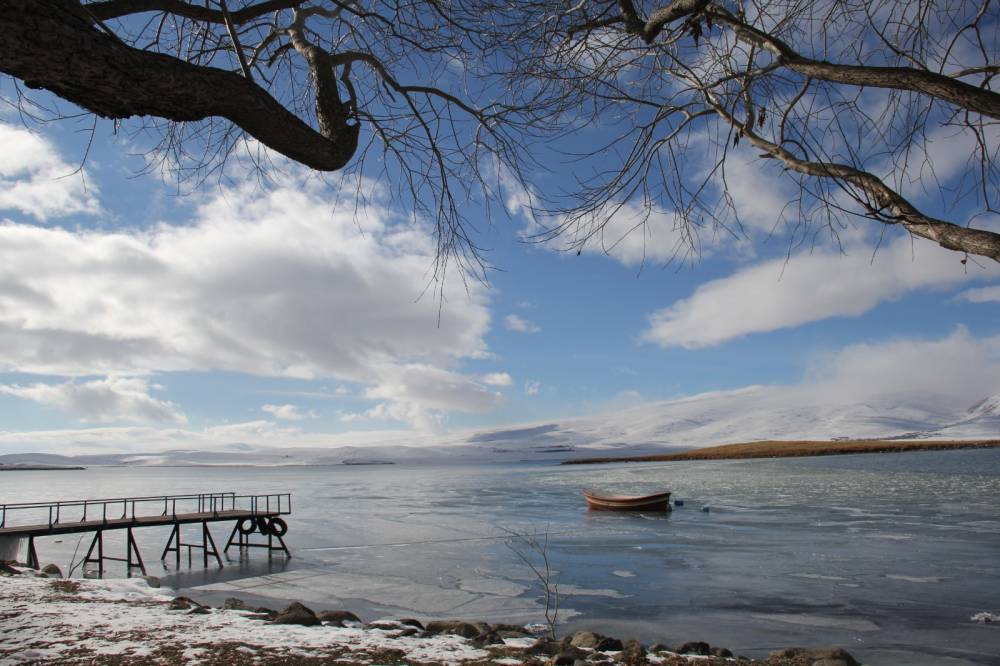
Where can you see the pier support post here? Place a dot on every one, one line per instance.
(207, 546)
(235, 532)
(206, 540)
(131, 547)
(175, 537)
(132, 559)
(98, 542)
(32, 555)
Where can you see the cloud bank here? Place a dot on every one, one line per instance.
(102, 400)
(36, 181)
(780, 294)
(275, 282)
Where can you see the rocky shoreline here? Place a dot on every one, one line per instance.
(46, 619)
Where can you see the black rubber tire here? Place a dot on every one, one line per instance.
(263, 524)
(279, 528)
(247, 530)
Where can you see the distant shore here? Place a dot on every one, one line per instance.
(793, 449)
(35, 468)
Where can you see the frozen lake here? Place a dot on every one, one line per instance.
(888, 556)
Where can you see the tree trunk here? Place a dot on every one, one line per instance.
(53, 44)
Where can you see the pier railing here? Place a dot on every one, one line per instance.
(122, 508)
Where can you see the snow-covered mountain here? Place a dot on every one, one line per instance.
(724, 417)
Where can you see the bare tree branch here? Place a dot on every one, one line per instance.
(881, 201)
(115, 80)
(929, 83)
(112, 9)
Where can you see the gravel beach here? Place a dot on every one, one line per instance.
(51, 620)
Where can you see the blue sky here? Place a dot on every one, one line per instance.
(131, 317)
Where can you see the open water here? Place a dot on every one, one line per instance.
(887, 555)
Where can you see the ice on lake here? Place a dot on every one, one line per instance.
(794, 551)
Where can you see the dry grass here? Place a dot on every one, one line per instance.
(780, 449)
(65, 586)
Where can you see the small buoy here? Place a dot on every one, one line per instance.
(706, 509)
(678, 502)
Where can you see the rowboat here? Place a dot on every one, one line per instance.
(601, 502)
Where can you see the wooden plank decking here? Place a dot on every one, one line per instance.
(24, 531)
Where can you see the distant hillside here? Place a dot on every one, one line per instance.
(753, 414)
(798, 449)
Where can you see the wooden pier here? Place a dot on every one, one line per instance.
(250, 514)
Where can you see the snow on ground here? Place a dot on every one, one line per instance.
(126, 622)
(53, 620)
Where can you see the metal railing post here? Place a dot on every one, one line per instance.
(214, 504)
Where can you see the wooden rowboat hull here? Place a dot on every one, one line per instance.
(657, 502)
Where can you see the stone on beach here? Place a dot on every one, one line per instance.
(695, 647)
(337, 618)
(488, 638)
(586, 639)
(831, 656)
(543, 646)
(183, 603)
(455, 627)
(232, 603)
(296, 613)
(568, 656)
(385, 625)
(52, 570)
(633, 653)
(609, 645)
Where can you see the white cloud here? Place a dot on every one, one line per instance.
(633, 235)
(287, 412)
(628, 232)
(419, 394)
(102, 400)
(497, 379)
(760, 191)
(532, 387)
(948, 154)
(513, 322)
(808, 287)
(962, 368)
(35, 180)
(275, 282)
(404, 412)
(982, 295)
